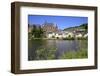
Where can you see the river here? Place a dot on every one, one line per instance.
(60, 45)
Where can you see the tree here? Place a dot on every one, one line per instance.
(37, 31)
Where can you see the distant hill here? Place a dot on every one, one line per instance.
(82, 26)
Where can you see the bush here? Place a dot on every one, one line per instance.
(81, 38)
(69, 38)
(74, 54)
(53, 36)
(44, 54)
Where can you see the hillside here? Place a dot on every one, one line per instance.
(82, 26)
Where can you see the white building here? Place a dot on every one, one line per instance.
(50, 35)
(86, 35)
(78, 35)
(60, 35)
(70, 34)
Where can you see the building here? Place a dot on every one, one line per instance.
(50, 30)
(51, 35)
(60, 34)
(85, 35)
(49, 27)
(79, 35)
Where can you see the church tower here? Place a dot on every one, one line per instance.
(56, 27)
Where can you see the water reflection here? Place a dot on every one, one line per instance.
(60, 45)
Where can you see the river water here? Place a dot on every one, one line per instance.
(60, 45)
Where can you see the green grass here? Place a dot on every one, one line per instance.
(75, 54)
(43, 53)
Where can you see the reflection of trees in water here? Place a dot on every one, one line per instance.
(45, 53)
(79, 44)
(32, 47)
(83, 44)
(80, 50)
(41, 49)
(53, 49)
(75, 46)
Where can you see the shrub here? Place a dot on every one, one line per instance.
(74, 54)
(69, 38)
(45, 53)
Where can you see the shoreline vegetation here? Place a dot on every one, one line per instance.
(71, 33)
(49, 54)
(57, 38)
(43, 53)
(75, 54)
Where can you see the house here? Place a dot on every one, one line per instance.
(70, 34)
(85, 35)
(79, 35)
(60, 34)
(50, 35)
(50, 30)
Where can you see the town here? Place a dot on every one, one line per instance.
(51, 31)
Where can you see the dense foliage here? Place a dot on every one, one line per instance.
(45, 53)
(37, 32)
(75, 54)
(82, 26)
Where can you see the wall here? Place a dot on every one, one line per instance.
(5, 33)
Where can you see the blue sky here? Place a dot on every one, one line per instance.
(61, 21)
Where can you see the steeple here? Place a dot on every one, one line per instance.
(45, 22)
(56, 26)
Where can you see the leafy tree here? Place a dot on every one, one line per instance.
(37, 31)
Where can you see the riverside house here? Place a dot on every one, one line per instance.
(66, 34)
(51, 31)
(60, 34)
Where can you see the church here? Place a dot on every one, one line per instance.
(49, 27)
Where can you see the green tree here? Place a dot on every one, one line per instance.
(37, 31)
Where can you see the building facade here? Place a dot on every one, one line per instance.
(50, 30)
(49, 27)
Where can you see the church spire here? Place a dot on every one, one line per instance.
(56, 26)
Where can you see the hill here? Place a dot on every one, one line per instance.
(82, 26)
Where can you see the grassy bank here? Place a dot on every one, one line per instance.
(75, 54)
(44, 53)
(58, 38)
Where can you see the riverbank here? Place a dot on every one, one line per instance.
(75, 54)
(58, 39)
(57, 49)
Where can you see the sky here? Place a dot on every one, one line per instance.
(61, 21)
